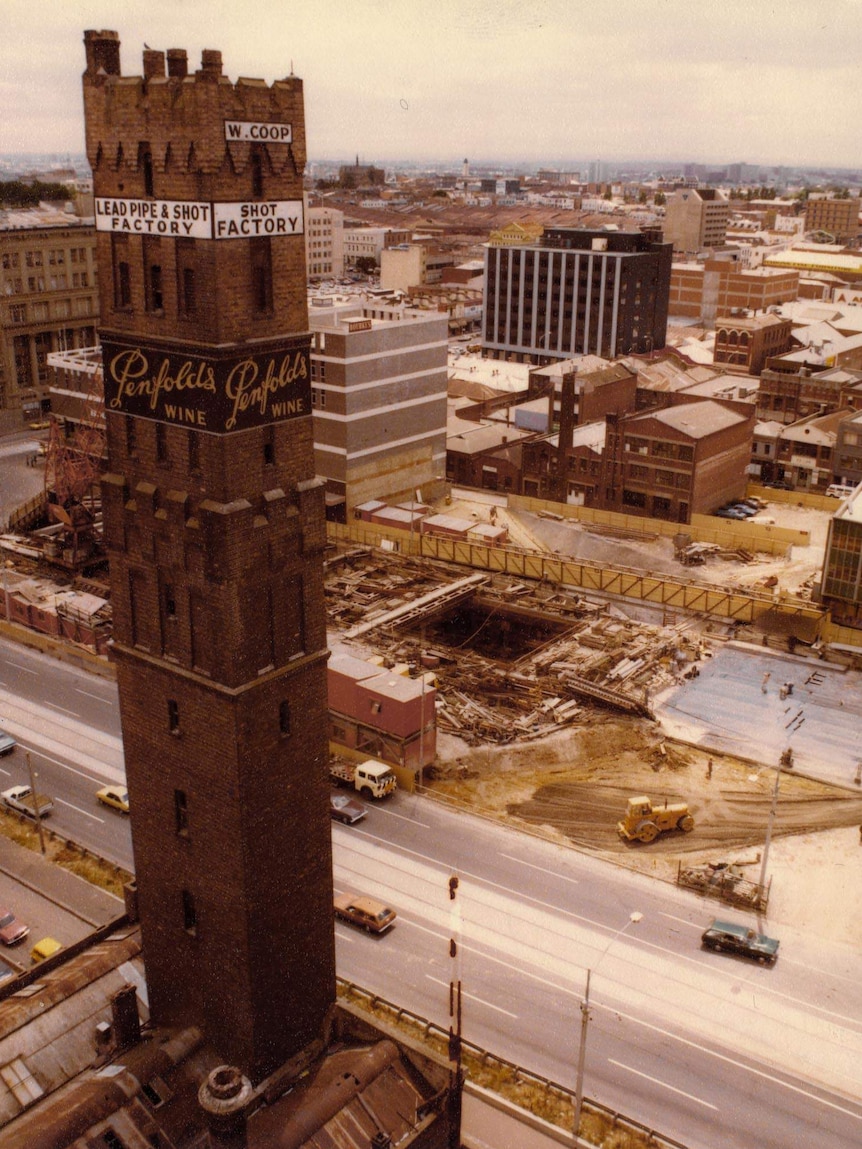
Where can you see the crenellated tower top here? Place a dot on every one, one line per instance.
(186, 116)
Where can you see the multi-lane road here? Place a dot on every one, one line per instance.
(709, 1049)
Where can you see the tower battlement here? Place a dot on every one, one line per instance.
(200, 122)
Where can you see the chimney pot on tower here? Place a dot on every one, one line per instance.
(178, 63)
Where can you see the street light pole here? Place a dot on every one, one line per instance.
(35, 796)
(634, 918)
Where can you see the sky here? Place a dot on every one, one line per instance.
(536, 81)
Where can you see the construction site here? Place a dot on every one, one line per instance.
(554, 703)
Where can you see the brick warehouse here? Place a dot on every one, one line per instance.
(215, 528)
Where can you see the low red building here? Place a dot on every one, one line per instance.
(381, 713)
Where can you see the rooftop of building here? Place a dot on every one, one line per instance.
(480, 437)
(821, 430)
(46, 215)
(697, 420)
(843, 261)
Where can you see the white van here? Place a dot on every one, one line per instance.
(839, 490)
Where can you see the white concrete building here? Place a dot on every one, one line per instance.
(378, 392)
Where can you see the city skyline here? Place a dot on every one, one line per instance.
(539, 82)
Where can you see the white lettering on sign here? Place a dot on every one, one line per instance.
(249, 130)
(257, 217)
(186, 218)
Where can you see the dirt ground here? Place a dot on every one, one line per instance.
(573, 788)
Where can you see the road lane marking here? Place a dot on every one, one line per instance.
(541, 869)
(404, 818)
(663, 1084)
(98, 697)
(86, 813)
(684, 921)
(63, 710)
(472, 997)
(26, 669)
(518, 894)
(725, 1057)
(62, 765)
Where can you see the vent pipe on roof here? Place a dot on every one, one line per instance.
(225, 1097)
(126, 1022)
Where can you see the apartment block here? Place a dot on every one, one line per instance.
(49, 301)
(378, 393)
(696, 219)
(575, 291)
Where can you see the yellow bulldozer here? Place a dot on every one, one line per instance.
(644, 822)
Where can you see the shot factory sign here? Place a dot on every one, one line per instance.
(205, 392)
(196, 219)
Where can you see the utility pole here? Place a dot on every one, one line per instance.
(634, 918)
(456, 1074)
(36, 809)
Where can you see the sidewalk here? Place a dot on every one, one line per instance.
(89, 904)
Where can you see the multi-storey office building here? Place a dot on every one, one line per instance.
(574, 291)
(705, 290)
(369, 242)
(841, 584)
(324, 242)
(48, 302)
(839, 218)
(696, 219)
(378, 390)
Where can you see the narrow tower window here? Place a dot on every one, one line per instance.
(284, 718)
(173, 716)
(147, 165)
(261, 274)
(256, 174)
(190, 914)
(181, 813)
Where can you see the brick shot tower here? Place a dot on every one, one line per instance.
(215, 530)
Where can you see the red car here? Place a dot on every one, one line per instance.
(12, 929)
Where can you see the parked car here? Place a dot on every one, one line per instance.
(343, 808)
(738, 939)
(370, 915)
(729, 513)
(115, 796)
(745, 508)
(43, 949)
(12, 929)
(7, 743)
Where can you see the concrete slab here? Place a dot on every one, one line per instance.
(735, 706)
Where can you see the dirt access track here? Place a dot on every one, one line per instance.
(574, 786)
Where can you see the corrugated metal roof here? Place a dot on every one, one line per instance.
(51, 1025)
